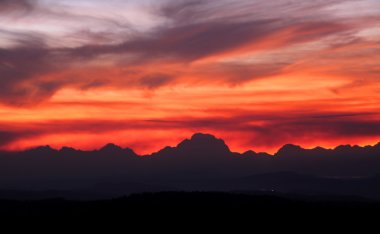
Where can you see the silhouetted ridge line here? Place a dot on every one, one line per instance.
(207, 144)
(251, 153)
(112, 149)
(41, 150)
(203, 142)
(289, 149)
(201, 158)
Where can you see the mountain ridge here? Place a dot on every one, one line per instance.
(204, 140)
(203, 157)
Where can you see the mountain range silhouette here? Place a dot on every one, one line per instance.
(200, 144)
(201, 162)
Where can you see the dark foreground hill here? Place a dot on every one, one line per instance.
(272, 183)
(181, 204)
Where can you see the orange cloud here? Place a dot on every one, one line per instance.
(305, 75)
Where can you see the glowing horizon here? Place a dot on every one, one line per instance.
(146, 74)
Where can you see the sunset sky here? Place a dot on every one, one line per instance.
(148, 73)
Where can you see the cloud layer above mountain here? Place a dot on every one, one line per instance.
(260, 73)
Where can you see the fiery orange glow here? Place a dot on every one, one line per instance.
(308, 76)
